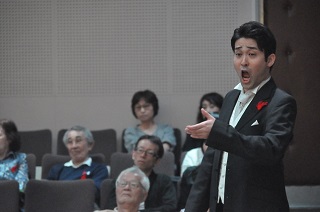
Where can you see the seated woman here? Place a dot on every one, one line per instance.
(13, 164)
(144, 105)
(195, 148)
(212, 103)
(193, 157)
(79, 142)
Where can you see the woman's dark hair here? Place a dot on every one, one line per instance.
(213, 98)
(149, 97)
(11, 131)
(155, 140)
(260, 33)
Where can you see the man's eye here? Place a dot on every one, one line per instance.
(134, 185)
(150, 153)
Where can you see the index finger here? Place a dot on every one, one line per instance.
(194, 127)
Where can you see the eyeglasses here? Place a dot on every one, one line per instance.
(132, 185)
(145, 107)
(141, 151)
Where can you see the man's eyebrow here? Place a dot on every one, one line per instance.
(249, 47)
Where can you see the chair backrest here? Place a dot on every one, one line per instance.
(37, 142)
(50, 160)
(120, 161)
(9, 195)
(31, 161)
(105, 189)
(62, 196)
(123, 148)
(105, 143)
(166, 164)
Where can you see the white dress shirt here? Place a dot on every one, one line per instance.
(233, 122)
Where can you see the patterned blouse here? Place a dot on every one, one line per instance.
(15, 167)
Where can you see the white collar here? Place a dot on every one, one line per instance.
(254, 90)
(86, 162)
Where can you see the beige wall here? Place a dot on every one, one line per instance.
(79, 62)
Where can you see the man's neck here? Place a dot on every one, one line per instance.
(147, 172)
(127, 208)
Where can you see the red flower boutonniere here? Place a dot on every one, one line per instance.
(14, 168)
(261, 104)
(84, 175)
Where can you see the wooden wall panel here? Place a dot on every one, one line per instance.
(295, 24)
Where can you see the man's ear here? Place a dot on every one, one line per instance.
(91, 145)
(271, 60)
(145, 196)
(157, 161)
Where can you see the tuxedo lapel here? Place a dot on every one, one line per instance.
(264, 94)
(228, 105)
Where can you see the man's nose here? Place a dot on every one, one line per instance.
(74, 144)
(244, 61)
(127, 187)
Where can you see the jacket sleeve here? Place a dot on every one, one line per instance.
(264, 143)
(100, 173)
(54, 172)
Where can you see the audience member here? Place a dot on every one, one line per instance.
(144, 105)
(132, 188)
(162, 196)
(211, 102)
(193, 157)
(242, 169)
(79, 142)
(13, 164)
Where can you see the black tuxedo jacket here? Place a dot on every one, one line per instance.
(256, 146)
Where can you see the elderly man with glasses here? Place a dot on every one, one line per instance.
(132, 188)
(162, 196)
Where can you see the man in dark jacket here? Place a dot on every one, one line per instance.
(162, 194)
(242, 170)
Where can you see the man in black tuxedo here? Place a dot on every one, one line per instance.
(242, 170)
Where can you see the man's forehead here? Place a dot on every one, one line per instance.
(74, 133)
(146, 144)
(249, 43)
(130, 176)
